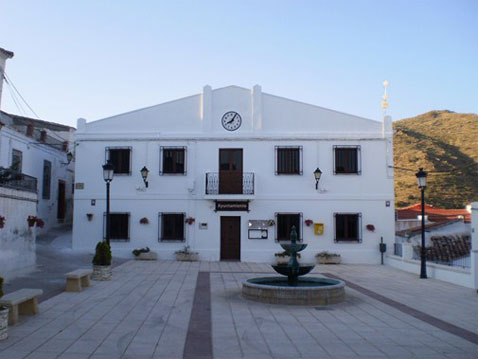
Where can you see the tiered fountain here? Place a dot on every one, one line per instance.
(294, 290)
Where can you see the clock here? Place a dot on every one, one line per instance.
(231, 121)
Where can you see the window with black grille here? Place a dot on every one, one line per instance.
(171, 226)
(348, 227)
(119, 226)
(284, 224)
(347, 160)
(120, 157)
(289, 160)
(46, 189)
(173, 160)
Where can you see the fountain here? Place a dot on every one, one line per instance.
(294, 290)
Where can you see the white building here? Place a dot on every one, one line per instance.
(241, 163)
(33, 157)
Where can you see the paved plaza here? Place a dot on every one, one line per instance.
(170, 309)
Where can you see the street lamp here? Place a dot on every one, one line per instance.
(422, 184)
(108, 172)
(317, 174)
(144, 173)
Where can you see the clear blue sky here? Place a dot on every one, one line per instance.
(95, 59)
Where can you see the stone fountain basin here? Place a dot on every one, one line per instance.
(293, 247)
(309, 291)
(285, 270)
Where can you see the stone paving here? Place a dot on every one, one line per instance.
(146, 312)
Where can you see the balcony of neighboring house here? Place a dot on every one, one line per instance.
(230, 185)
(17, 180)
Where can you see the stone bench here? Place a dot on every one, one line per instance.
(77, 280)
(23, 301)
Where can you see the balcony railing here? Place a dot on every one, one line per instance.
(230, 183)
(17, 180)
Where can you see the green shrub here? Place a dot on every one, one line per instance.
(137, 252)
(102, 255)
(285, 254)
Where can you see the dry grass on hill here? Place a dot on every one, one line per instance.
(437, 141)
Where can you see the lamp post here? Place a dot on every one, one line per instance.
(144, 173)
(108, 172)
(422, 184)
(317, 175)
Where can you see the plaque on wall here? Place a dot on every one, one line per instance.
(232, 206)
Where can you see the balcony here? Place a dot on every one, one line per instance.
(17, 180)
(229, 183)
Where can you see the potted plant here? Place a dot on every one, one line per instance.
(144, 220)
(185, 255)
(190, 220)
(328, 258)
(309, 222)
(271, 222)
(283, 257)
(370, 227)
(3, 316)
(144, 254)
(102, 262)
(89, 216)
(32, 220)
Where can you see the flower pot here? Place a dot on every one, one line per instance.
(187, 257)
(101, 273)
(3, 323)
(329, 260)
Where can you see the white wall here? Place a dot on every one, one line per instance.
(17, 240)
(193, 124)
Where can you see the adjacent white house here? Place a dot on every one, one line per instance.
(36, 180)
(231, 170)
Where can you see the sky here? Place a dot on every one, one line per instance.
(95, 59)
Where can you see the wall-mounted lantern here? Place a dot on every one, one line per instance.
(69, 158)
(144, 173)
(317, 175)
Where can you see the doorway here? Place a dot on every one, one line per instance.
(230, 238)
(230, 171)
(61, 211)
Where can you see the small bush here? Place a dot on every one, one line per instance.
(102, 254)
(326, 254)
(285, 254)
(137, 252)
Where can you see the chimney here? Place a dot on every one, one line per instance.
(4, 56)
(30, 129)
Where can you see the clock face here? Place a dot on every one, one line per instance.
(231, 121)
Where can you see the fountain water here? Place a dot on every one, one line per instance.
(294, 290)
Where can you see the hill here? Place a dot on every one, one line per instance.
(437, 141)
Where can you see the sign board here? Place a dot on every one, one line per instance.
(79, 185)
(258, 224)
(258, 233)
(232, 206)
(318, 229)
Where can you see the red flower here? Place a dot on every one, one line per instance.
(370, 227)
(308, 222)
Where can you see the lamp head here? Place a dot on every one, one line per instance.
(421, 178)
(108, 171)
(69, 157)
(317, 173)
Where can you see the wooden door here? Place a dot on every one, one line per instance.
(230, 171)
(231, 238)
(61, 211)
